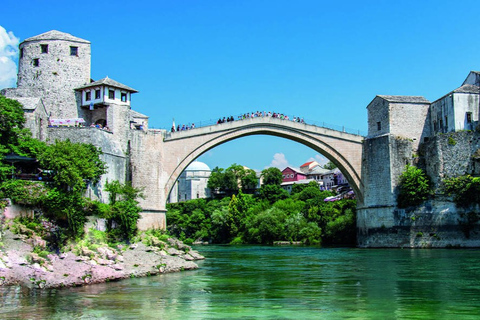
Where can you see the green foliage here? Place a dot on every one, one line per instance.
(464, 189)
(272, 193)
(232, 179)
(11, 121)
(272, 176)
(124, 210)
(28, 193)
(414, 187)
(329, 165)
(451, 141)
(74, 164)
(246, 219)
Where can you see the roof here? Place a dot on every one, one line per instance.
(404, 99)
(56, 35)
(318, 170)
(467, 88)
(294, 170)
(107, 82)
(197, 166)
(28, 103)
(136, 114)
(306, 164)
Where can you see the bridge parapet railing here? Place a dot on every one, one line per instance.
(213, 122)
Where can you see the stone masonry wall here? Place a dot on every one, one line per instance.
(57, 73)
(436, 224)
(452, 154)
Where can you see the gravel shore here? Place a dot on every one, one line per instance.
(19, 265)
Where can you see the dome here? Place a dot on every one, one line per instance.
(197, 166)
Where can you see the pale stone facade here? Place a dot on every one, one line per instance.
(192, 183)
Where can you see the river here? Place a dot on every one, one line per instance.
(259, 282)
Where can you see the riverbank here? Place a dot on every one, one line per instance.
(80, 265)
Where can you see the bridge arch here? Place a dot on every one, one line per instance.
(343, 149)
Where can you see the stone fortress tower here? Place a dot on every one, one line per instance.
(55, 63)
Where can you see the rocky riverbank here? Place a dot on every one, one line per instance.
(79, 265)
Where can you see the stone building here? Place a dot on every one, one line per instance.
(61, 101)
(457, 110)
(192, 183)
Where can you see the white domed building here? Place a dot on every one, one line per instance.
(192, 183)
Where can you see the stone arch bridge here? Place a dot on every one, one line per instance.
(160, 157)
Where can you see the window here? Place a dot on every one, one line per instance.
(111, 94)
(379, 126)
(88, 96)
(44, 48)
(74, 51)
(469, 117)
(124, 97)
(36, 62)
(97, 94)
(21, 53)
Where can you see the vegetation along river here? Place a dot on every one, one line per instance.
(262, 282)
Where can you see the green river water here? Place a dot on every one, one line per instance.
(259, 282)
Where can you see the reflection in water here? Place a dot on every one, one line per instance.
(253, 282)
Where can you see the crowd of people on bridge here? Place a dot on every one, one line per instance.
(242, 117)
(260, 114)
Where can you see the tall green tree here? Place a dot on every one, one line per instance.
(74, 164)
(272, 176)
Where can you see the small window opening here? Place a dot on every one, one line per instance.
(97, 94)
(74, 51)
(88, 96)
(111, 94)
(21, 53)
(124, 97)
(36, 62)
(469, 117)
(379, 126)
(44, 48)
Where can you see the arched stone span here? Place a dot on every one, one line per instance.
(343, 149)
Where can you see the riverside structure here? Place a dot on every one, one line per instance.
(54, 87)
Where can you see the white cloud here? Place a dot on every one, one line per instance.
(8, 55)
(279, 161)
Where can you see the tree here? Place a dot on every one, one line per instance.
(74, 164)
(11, 121)
(249, 180)
(272, 176)
(329, 165)
(124, 209)
(414, 187)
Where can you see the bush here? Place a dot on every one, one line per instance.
(414, 187)
(464, 189)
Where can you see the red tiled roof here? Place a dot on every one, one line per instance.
(306, 164)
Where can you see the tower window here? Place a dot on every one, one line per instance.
(124, 97)
(74, 51)
(379, 126)
(21, 53)
(111, 94)
(44, 48)
(88, 96)
(36, 62)
(97, 94)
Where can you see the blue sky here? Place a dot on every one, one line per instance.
(200, 60)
